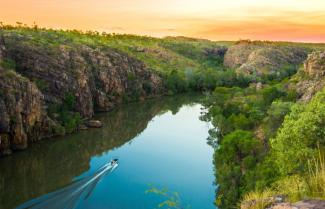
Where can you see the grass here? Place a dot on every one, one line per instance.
(316, 177)
(257, 200)
(310, 185)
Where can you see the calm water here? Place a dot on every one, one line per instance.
(160, 142)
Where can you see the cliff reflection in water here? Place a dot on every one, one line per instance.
(69, 196)
(52, 164)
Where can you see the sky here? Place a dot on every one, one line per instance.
(277, 20)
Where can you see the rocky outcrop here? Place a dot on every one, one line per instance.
(238, 54)
(94, 124)
(312, 77)
(218, 52)
(305, 204)
(21, 112)
(47, 76)
(260, 58)
(315, 64)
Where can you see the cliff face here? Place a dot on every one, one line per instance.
(313, 76)
(263, 58)
(20, 111)
(96, 78)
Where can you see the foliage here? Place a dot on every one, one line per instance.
(41, 84)
(302, 131)
(66, 114)
(8, 64)
(274, 118)
(295, 187)
(236, 158)
(271, 93)
(171, 199)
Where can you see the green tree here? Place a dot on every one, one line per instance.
(301, 133)
(236, 159)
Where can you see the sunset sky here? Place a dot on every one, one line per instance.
(291, 20)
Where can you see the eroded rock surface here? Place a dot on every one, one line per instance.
(258, 58)
(305, 204)
(313, 76)
(44, 75)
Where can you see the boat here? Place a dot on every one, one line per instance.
(70, 196)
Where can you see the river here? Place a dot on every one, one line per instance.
(160, 143)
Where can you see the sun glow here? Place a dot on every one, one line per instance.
(291, 20)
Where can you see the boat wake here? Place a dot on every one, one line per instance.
(69, 196)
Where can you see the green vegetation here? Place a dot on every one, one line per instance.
(236, 158)
(8, 64)
(184, 64)
(257, 200)
(302, 131)
(65, 113)
(171, 199)
(41, 84)
(267, 143)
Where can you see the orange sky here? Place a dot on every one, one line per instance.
(291, 20)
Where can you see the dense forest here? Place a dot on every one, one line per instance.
(265, 99)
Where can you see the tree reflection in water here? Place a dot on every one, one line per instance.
(69, 196)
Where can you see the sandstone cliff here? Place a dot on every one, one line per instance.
(312, 78)
(36, 79)
(261, 58)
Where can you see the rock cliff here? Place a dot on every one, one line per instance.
(37, 80)
(261, 58)
(313, 75)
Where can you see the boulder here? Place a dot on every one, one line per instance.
(94, 124)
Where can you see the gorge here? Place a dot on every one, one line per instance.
(255, 97)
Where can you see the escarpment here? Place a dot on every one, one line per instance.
(51, 81)
(264, 59)
(312, 78)
(47, 88)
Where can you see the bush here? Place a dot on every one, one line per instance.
(270, 94)
(275, 116)
(240, 121)
(69, 119)
(301, 132)
(236, 159)
(8, 64)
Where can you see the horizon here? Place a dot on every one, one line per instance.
(222, 20)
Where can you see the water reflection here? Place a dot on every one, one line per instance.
(69, 196)
(52, 164)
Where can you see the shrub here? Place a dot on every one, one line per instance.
(298, 138)
(41, 84)
(236, 158)
(8, 64)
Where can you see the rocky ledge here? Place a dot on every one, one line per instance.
(305, 204)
